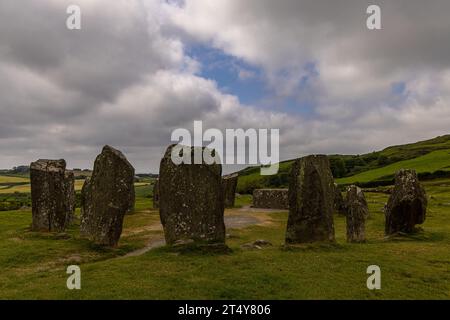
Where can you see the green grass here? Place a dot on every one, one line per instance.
(413, 150)
(431, 162)
(416, 267)
(144, 195)
(242, 200)
(26, 188)
(15, 188)
(13, 179)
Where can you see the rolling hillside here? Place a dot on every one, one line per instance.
(429, 163)
(431, 158)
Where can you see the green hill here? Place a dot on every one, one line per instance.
(432, 162)
(431, 158)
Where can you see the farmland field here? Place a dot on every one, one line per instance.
(12, 185)
(13, 179)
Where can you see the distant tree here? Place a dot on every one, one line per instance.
(383, 160)
(21, 169)
(359, 161)
(337, 167)
(279, 180)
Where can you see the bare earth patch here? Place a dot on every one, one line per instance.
(234, 219)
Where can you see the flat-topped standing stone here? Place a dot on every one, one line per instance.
(271, 199)
(357, 212)
(229, 189)
(50, 195)
(106, 197)
(191, 200)
(407, 204)
(311, 199)
(156, 194)
(339, 203)
(71, 197)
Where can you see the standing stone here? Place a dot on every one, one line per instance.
(191, 200)
(407, 204)
(229, 189)
(50, 195)
(311, 199)
(271, 199)
(71, 197)
(131, 200)
(85, 189)
(339, 203)
(156, 194)
(357, 212)
(106, 197)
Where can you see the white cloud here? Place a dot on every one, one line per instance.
(126, 80)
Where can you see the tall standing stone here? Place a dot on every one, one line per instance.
(50, 195)
(229, 189)
(407, 204)
(357, 212)
(156, 194)
(85, 189)
(339, 203)
(311, 198)
(71, 196)
(191, 200)
(106, 197)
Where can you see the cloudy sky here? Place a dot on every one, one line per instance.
(138, 69)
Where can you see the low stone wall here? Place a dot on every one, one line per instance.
(271, 199)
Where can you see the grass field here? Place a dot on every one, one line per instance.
(33, 266)
(436, 160)
(11, 187)
(13, 179)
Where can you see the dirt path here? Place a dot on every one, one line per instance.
(250, 209)
(234, 219)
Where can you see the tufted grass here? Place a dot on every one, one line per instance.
(416, 267)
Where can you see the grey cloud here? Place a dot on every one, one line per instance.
(125, 80)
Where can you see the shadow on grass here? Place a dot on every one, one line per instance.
(418, 236)
(319, 246)
(202, 249)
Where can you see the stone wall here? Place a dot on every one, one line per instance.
(271, 199)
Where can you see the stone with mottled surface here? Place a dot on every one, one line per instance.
(407, 204)
(271, 199)
(191, 200)
(156, 194)
(106, 197)
(339, 202)
(357, 213)
(229, 189)
(71, 197)
(51, 195)
(311, 201)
